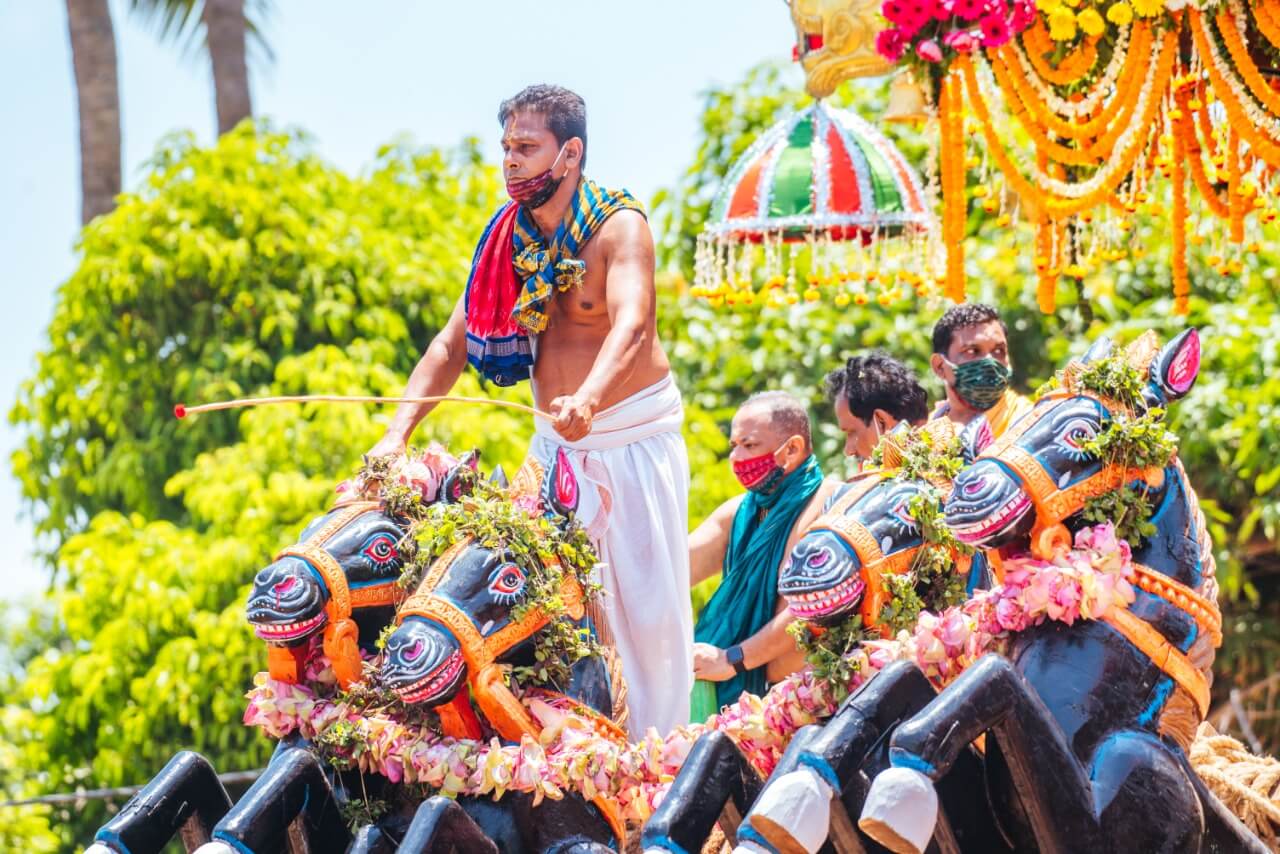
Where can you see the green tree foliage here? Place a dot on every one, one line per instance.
(229, 259)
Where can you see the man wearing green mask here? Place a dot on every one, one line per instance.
(971, 357)
(741, 639)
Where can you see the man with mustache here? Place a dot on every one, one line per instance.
(561, 292)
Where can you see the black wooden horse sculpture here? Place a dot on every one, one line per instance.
(835, 572)
(339, 580)
(455, 638)
(1086, 724)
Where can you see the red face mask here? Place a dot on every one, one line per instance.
(535, 192)
(759, 474)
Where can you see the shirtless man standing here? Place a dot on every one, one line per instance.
(561, 291)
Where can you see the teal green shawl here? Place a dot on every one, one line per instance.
(744, 602)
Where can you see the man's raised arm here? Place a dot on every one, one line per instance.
(435, 374)
(629, 296)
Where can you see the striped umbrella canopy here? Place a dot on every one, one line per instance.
(820, 172)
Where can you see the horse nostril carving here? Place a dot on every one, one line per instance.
(284, 586)
(975, 486)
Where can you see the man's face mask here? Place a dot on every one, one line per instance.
(862, 462)
(982, 382)
(535, 192)
(760, 474)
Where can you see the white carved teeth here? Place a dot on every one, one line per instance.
(1014, 506)
(288, 628)
(431, 684)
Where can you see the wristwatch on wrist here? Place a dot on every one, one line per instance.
(734, 656)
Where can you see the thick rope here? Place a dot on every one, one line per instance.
(1247, 785)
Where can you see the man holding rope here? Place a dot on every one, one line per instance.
(561, 292)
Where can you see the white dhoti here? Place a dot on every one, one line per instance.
(633, 476)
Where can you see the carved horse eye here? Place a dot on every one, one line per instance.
(819, 559)
(414, 652)
(1072, 438)
(381, 549)
(507, 582)
(901, 514)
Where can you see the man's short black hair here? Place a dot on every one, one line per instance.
(959, 317)
(565, 112)
(879, 381)
(786, 413)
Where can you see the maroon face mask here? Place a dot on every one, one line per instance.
(535, 192)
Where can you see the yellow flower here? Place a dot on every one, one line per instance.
(1062, 24)
(1148, 8)
(1120, 14)
(1048, 6)
(1091, 22)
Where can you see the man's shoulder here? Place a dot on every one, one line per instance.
(626, 228)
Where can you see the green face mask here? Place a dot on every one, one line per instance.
(982, 382)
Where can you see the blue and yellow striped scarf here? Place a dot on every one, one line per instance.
(542, 265)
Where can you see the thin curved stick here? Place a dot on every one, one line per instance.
(182, 411)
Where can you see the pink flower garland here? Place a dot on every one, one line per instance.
(1084, 583)
(931, 31)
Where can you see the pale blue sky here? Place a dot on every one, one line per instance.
(354, 75)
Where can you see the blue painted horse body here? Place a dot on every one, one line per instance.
(1086, 723)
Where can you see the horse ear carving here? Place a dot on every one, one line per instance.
(461, 479)
(974, 438)
(1176, 366)
(499, 478)
(560, 492)
(1098, 350)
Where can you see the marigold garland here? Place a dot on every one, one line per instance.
(1260, 143)
(1185, 127)
(1235, 201)
(1035, 118)
(1244, 64)
(1071, 68)
(1109, 176)
(954, 203)
(1178, 261)
(1124, 99)
(1266, 16)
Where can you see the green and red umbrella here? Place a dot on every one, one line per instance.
(820, 176)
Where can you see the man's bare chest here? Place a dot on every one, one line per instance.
(585, 303)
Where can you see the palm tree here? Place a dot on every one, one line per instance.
(226, 25)
(93, 55)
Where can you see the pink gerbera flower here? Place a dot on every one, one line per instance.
(891, 43)
(1022, 15)
(895, 12)
(995, 29)
(969, 10)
